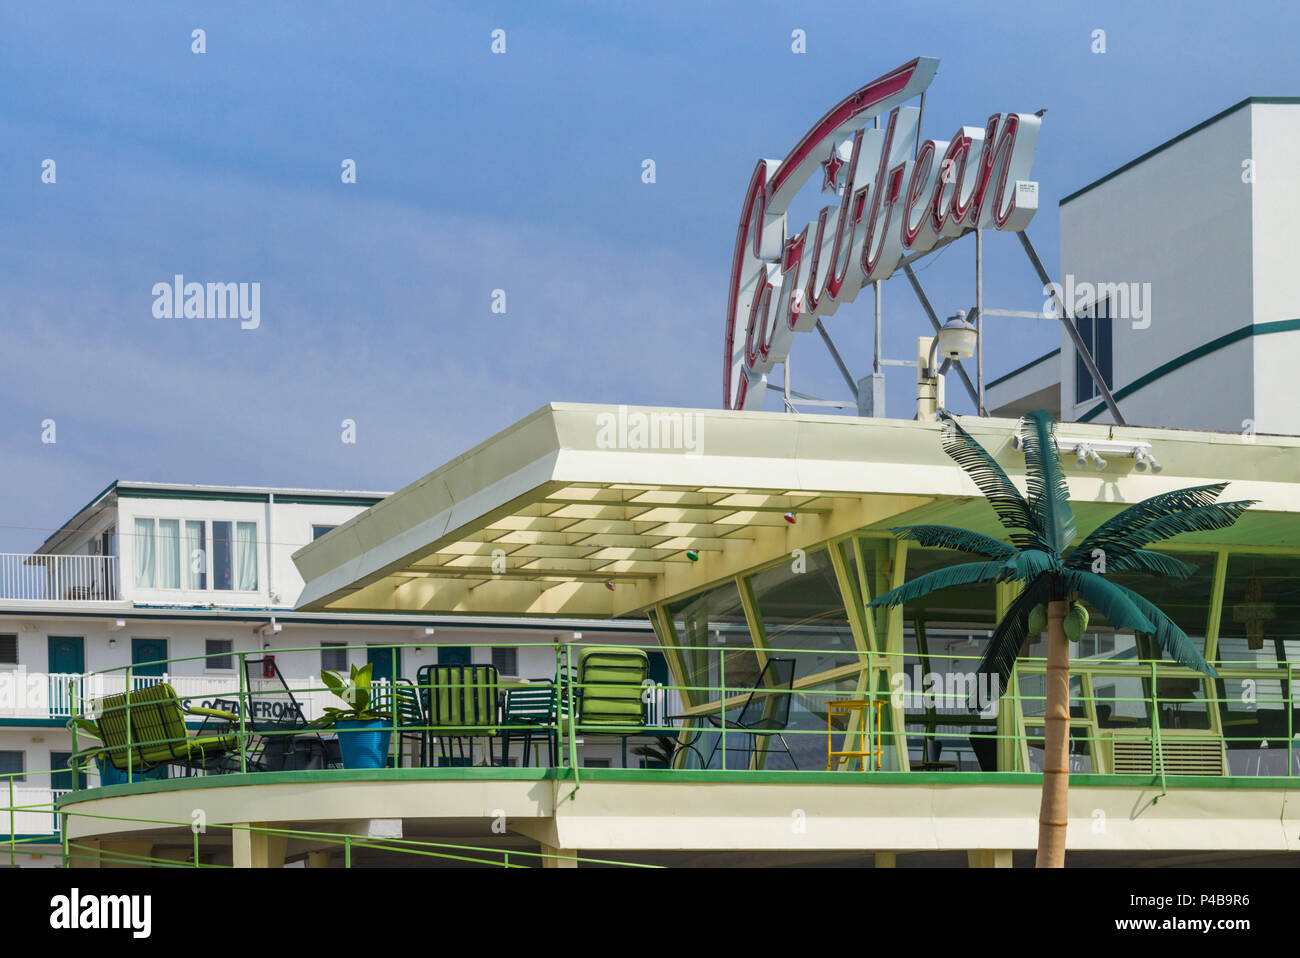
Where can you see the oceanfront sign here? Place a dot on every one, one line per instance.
(896, 199)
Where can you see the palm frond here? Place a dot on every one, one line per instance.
(1152, 563)
(1049, 495)
(1011, 508)
(1009, 637)
(967, 573)
(1169, 636)
(1218, 515)
(951, 537)
(1031, 563)
(1139, 514)
(1112, 600)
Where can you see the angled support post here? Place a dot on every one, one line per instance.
(1072, 331)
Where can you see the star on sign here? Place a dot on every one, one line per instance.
(831, 171)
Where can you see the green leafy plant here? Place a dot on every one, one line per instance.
(1055, 577)
(356, 691)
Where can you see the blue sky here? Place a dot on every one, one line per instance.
(478, 172)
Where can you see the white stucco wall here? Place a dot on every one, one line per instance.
(1180, 220)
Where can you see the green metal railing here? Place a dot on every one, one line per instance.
(1135, 716)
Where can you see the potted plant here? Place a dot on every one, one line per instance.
(364, 733)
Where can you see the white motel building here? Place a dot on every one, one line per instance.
(743, 566)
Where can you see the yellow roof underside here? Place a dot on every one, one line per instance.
(542, 519)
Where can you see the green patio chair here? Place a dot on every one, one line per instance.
(529, 710)
(610, 692)
(158, 735)
(460, 704)
(402, 700)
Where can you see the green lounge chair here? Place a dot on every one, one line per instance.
(157, 731)
(459, 703)
(611, 692)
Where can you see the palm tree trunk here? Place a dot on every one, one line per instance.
(1053, 813)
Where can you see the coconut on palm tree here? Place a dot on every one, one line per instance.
(1057, 579)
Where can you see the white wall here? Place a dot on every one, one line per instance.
(1275, 148)
(1181, 221)
(288, 529)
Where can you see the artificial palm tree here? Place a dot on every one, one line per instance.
(1055, 577)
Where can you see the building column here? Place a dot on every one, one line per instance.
(885, 859)
(559, 857)
(988, 858)
(255, 849)
(83, 853)
(319, 859)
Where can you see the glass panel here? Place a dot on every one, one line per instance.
(801, 609)
(222, 564)
(169, 554)
(1080, 753)
(144, 559)
(1121, 701)
(1259, 637)
(714, 620)
(246, 548)
(1186, 601)
(196, 555)
(1083, 387)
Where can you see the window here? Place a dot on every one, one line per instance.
(223, 561)
(318, 531)
(9, 649)
(11, 761)
(169, 553)
(144, 553)
(334, 656)
(174, 554)
(506, 660)
(1094, 322)
(219, 655)
(595, 763)
(196, 555)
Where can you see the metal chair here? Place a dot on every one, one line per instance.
(270, 709)
(151, 732)
(527, 711)
(403, 701)
(765, 714)
(459, 703)
(610, 692)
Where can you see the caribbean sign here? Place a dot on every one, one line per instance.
(898, 196)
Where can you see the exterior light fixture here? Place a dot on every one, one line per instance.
(1143, 459)
(1095, 451)
(956, 340)
(789, 517)
(609, 586)
(692, 555)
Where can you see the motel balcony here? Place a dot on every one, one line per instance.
(27, 577)
(815, 752)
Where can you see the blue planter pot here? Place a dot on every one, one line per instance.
(363, 744)
(109, 774)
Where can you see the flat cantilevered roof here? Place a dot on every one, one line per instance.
(586, 510)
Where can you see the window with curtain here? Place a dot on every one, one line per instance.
(223, 561)
(196, 554)
(169, 553)
(144, 557)
(246, 555)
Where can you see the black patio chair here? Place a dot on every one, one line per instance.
(284, 741)
(765, 714)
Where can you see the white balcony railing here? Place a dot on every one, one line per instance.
(41, 695)
(44, 577)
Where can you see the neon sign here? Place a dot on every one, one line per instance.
(895, 200)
